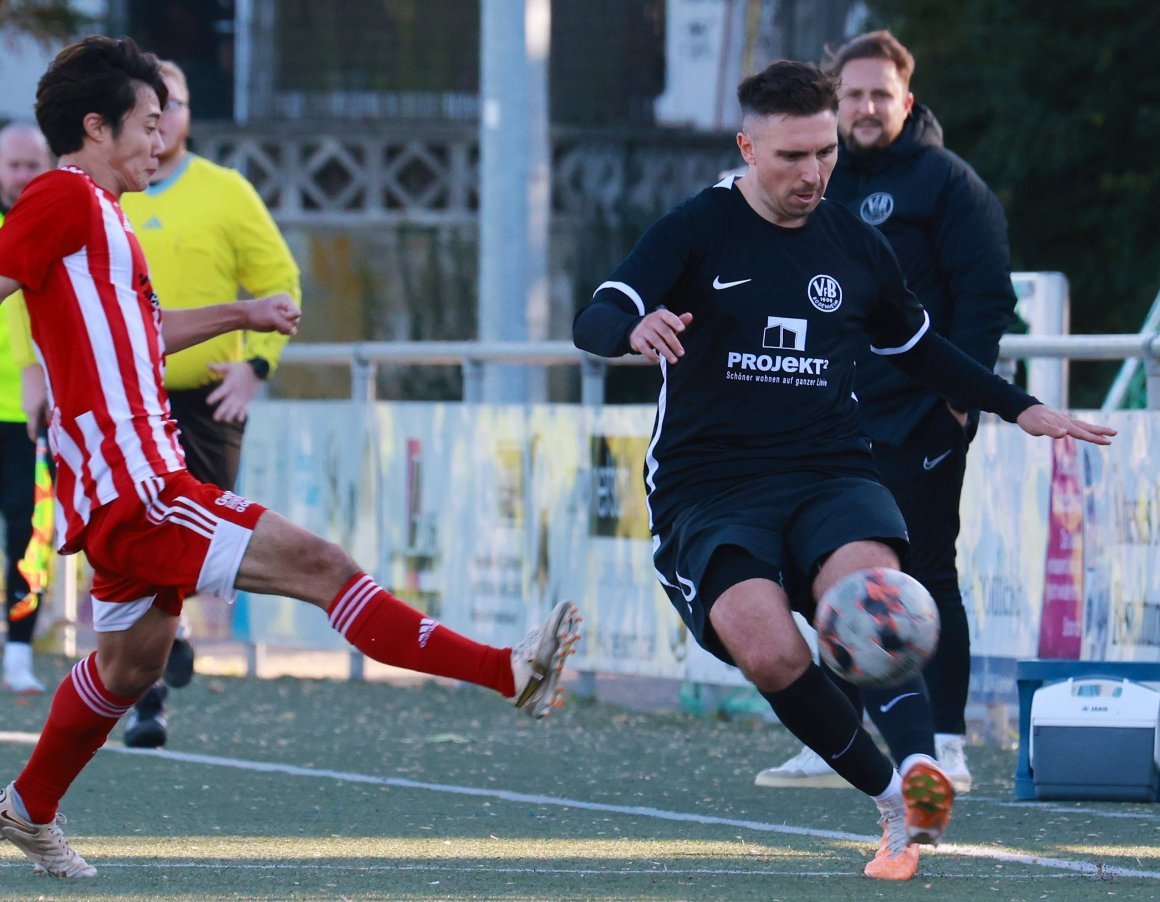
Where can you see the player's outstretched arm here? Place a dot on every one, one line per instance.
(1039, 419)
(184, 328)
(935, 362)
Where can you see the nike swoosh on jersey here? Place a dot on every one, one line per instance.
(928, 464)
(719, 285)
(894, 701)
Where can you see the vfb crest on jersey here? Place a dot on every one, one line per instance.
(876, 208)
(825, 293)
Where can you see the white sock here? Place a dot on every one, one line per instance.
(892, 792)
(17, 657)
(910, 760)
(18, 803)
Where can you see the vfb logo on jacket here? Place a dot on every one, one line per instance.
(876, 208)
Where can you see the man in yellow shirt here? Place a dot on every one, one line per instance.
(23, 156)
(206, 235)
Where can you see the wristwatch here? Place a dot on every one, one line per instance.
(260, 366)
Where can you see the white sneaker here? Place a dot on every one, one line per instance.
(18, 675)
(43, 843)
(805, 770)
(950, 749)
(538, 660)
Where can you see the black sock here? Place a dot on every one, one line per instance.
(152, 702)
(902, 715)
(852, 693)
(814, 709)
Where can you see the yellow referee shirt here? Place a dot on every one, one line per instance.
(10, 366)
(206, 234)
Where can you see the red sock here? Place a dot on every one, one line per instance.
(82, 715)
(392, 632)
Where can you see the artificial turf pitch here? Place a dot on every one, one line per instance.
(318, 789)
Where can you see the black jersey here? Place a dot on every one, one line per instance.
(779, 317)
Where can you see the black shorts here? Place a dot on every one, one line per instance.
(213, 450)
(781, 527)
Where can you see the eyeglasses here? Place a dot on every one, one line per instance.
(175, 104)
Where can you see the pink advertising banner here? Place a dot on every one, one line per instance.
(1061, 627)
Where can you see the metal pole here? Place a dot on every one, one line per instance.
(362, 379)
(1118, 393)
(243, 58)
(592, 381)
(473, 380)
(362, 388)
(515, 192)
(1045, 305)
(1152, 370)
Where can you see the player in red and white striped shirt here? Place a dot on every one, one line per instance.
(152, 533)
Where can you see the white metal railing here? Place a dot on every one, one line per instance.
(1118, 393)
(364, 358)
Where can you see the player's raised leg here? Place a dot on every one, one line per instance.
(284, 559)
(753, 621)
(926, 789)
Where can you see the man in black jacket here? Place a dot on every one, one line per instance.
(950, 235)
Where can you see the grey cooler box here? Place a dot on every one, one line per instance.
(1096, 738)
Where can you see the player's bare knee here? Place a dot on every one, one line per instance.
(332, 560)
(325, 567)
(772, 670)
(131, 679)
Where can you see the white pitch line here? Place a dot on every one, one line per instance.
(1065, 864)
(234, 865)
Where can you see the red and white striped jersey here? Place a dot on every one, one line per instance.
(96, 327)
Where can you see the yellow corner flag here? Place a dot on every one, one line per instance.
(34, 566)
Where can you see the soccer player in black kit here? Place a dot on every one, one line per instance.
(950, 236)
(755, 297)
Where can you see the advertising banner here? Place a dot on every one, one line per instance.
(485, 516)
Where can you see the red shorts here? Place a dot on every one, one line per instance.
(174, 537)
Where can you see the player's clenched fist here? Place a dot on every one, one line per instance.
(275, 313)
(656, 335)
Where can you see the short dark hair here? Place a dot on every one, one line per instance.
(876, 45)
(95, 75)
(788, 88)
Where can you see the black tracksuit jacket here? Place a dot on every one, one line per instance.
(950, 236)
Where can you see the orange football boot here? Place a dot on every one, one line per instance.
(897, 856)
(930, 798)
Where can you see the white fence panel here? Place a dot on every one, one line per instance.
(485, 516)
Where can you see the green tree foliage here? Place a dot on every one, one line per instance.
(46, 20)
(1057, 105)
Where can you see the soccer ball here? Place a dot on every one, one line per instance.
(876, 627)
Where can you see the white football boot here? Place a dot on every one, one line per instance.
(44, 844)
(538, 661)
